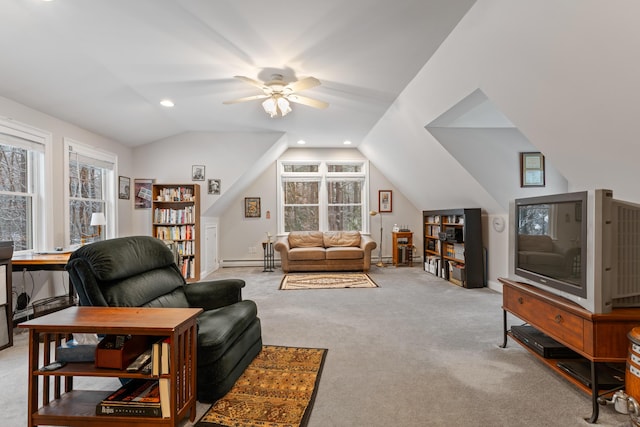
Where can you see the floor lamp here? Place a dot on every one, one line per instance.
(379, 264)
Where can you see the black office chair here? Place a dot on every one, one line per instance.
(140, 271)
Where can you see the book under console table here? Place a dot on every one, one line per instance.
(52, 399)
(599, 338)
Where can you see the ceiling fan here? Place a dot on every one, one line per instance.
(277, 94)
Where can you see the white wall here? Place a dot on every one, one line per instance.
(41, 284)
(226, 156)
(239, 235)
(561, 72)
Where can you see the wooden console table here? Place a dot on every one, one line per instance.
(69, 407)
(599, 338)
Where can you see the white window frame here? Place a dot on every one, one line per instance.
(110, 195)
(40, 179)
(323, 176)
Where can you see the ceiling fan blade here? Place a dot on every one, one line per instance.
(252, 82)
(307, 101)
(247, 98)
(306, 83)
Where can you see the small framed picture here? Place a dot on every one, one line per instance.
(142, 193)
(252, 207)
(197, 173)
(385, 202)
(531, 170)
(214, 186)
(124, 187)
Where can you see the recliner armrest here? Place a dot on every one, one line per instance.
(214, 293)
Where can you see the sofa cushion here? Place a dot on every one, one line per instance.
(305, 239)
(307, 254)
(340, 252)
(341, 238)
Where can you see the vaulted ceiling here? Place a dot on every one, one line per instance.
(105, 65)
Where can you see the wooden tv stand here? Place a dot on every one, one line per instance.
(599, 338)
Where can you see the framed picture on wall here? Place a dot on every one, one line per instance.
(124, 187)
(197, 173)
(531, 170)
(385, 202)
(252, 207)
(214, 186)
(142, 192)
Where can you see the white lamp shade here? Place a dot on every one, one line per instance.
(269, 106)
(97, 218)
(284, 107)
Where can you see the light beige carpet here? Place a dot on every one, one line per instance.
(276, 390)
(326, 281)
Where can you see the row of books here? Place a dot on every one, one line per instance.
(455, 250)
(143, 397)
(432, 230)
(434, 245)
(188, 267)
(434, 265)
(175, 194)
(178, 232)
(174, 216)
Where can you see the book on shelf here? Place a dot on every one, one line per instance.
(138, 397)
(156, 352)
(164, 383)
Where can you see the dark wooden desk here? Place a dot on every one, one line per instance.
(34, 261)
(45, 262)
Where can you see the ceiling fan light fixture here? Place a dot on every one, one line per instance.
(283, 106)
(275, 105)
(270, 106)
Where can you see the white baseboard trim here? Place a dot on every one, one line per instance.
(244, 263)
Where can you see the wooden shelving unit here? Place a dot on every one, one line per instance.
(453, 246)
(176, 220)
(53, 400)
(402, 248)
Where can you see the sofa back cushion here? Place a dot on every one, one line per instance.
(341, 238)
(305, 239)
(535, 243)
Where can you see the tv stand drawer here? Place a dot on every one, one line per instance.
(554, 321)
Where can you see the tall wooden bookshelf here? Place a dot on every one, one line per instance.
(176, 220)
(453, 246)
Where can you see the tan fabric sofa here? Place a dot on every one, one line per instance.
(325, 251)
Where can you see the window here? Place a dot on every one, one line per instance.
(91, 189)
(23, 195)
(323, 195)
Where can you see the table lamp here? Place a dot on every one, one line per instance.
(98, 220)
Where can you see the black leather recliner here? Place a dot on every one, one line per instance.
(140, 271)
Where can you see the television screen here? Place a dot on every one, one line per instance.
(551, 241)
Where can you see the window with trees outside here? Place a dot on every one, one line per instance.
(23, 151)
(323, 195)
(91, 189)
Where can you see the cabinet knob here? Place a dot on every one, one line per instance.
(520, 300)
(558, 318)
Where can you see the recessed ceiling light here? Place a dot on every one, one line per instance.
(347, 142)
(302, 142)
(167, 103)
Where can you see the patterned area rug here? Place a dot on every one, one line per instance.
(327, 281)
(276, 390)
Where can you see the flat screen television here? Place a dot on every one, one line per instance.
(583, 246)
